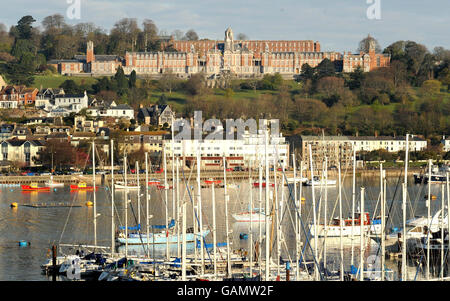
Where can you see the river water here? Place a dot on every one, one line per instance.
(42, 227)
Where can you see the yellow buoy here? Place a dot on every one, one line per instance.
(14, 205)
(89, 204)
(303, 199)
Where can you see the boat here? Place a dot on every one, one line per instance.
(129, 186)
(334, 228)
(34, 187)
(320, 182)
(163, 187)
(82, 186)
(416, 230)
(154, 182)
(51, 183)
(163, 237)
(255, 215)
(212, 181)
(256, 184)
(438, 176)
(297, 180)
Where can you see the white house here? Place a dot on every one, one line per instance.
(446, 143)
(71, 103)
(112, 110)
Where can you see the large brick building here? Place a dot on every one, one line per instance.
(238, 57)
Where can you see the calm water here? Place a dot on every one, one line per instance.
(44, 226)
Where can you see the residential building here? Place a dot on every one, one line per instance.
(339, 149)
(25, 152)
(248, 150)
(446, 144)
(157, 115)
(112, 110)
(19, 94)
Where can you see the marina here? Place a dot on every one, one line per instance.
(59, 223)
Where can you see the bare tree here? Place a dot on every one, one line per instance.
(191, 35)
(368, 42)
(242, 37)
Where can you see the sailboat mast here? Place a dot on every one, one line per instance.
(260, 222)
(316, 271)
(147, 213)
(362, 219)
(183, 252)
(177, 213)
(353, 204)
(383, 213)
(295, 215)
(428, 220)
(95, 202)
(126, 205)
(166, 204)
(267, 208)
(138, 194)
(112, 199)
(199, 204)
(405, 193)
(226, 197)
(341, 222)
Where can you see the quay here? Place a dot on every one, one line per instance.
(189, 175)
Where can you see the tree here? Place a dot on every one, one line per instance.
(431, 86)
(70, 87)
(196, 84)
(162, 100)
(368, 42)
(132, 80)
(325, 68)
(191, 35)
(242, 37)
(121, 81)
(168, 82)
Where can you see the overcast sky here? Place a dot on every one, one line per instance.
(337, 24)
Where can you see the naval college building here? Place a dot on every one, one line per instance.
(240, 58)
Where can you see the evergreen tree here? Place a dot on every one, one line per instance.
(121, 81)
(132, 80)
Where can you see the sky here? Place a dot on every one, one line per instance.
(338, 25)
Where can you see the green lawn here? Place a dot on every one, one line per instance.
(54, 81)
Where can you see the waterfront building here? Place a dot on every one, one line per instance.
(340, 148)
(246, 151)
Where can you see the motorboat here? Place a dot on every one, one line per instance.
(34, 187)
(255, 215)
(82, 186)
(318, 182)
(129, 186)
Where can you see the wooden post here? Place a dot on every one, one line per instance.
(53, 262)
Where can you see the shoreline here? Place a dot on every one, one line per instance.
(205, 175)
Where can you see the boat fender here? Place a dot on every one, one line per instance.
(23, 243)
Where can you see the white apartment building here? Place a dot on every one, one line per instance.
(247, 151)
(390, 144)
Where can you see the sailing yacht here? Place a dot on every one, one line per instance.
(334, 228)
